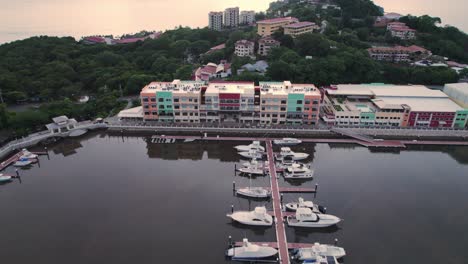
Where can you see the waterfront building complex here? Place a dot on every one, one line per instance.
(218, 101)
(391, 105)
(247, 17)
(231, 17)
(215, 20)
(367, 105)
(244, 48)
(265, 44)
(300, 28)
(269, 26)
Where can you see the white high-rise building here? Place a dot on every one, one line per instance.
(231, 17)
(215, 20)
(247, 17)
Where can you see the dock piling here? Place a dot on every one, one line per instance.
(229, 242)
(232, 208)
(17, 173)
(336, 241)
(47, 152)
(234, 185)
(316, 187)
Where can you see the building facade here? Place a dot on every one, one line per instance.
(241, 102)
(397, 53)
(231, 17)
(300, 28)
(391, 105)
(401, 30)
(244, 48)
(269, 26)
(247, 17)
(215, 20)
(265, 44)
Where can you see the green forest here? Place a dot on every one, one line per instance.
(57, 71)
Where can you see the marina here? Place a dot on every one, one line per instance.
(100, 214)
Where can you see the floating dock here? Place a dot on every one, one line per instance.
(275, 245)
(15, 158)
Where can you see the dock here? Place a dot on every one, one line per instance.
(290, 189)
(282, 243)
(275, 245)
(15, 158)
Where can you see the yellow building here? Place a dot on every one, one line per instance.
(300, 28)
(267, 27)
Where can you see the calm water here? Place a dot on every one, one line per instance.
(108, 199)
(24, 18)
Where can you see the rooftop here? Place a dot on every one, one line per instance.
(230, 87)
(300, 24)
(277, 20)
(286, 87)
(176, 86)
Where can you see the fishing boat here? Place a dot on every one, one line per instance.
(298, 171)
(287, 142)
(253, 168)
(22, 162)
(250, 252)
(5, 178)
(287, 152)
(28, 155)
(254, 146)
(304, 217)
(251, 154)
(317, 249)
(257, 217)
(301, 203)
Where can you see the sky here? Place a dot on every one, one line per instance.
(24, 18)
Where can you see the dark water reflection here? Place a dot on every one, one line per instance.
(106, 199)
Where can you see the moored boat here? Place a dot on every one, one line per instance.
(253, 168)
(301, 203)
(287, 141)
(250, 252)
(254, 146)
(254, 192)
(317, 249)
(304, 217)
(257, 217)
(28, 155)
(322, 260)
(298, 171)
(251, 154)
(5, 178)
(287, 152)
(22, 162)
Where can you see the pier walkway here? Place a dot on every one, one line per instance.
(278, 212)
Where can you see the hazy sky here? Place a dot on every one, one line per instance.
(23, 18)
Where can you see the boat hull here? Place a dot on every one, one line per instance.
(257, 193)
(242, 218)
(5, 179)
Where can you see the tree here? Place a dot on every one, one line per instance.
(312, 45)
(280, 70)
(184, 72)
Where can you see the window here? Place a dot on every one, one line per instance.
(283, 102)
(176, 100)
(145, 99)
(299, 101)
(176, 107)
(283, 109)
(161, 100)
(307, 102)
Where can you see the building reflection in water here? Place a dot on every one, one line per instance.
(217, 150)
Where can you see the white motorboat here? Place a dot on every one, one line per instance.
(321, 260)
(298, 171)
(254, 146)
(293, 206)
(250, 252)
(257, 217)
(23, 162)
(287, 152)
(318, 249)
(5, 178)
(287, 141)
(306, 218)
(253, 168)
(251, 154)
(28, 155)
(254, 192)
